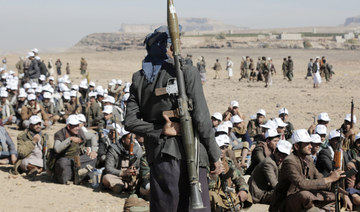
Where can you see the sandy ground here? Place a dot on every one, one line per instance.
(302, 101)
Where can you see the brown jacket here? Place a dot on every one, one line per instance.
(26, 112)
(296, 175)
(263, 181)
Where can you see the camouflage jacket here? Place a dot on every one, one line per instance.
(236, 180)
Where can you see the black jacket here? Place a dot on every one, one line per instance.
(144, 115)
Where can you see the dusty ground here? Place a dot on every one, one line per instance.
(303, 102)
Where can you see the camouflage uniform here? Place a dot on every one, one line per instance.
(217, 196)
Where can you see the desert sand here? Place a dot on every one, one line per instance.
(301, 99)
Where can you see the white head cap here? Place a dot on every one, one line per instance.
(236, 119)
(270, 124)
(75, 87)
(35, 119)
(27, 85)
(228, 124)
(73, 120)
(81, 117)
(321, 129)
(280, 122)
(119, 82)
(123, 132)
(284, 146)
(83, 84)
(222, 140)
(324, 117)
(47, 95)
(348, 118)
(92, 94)
(300, 135)
(31, 97)
(34, 85)
(261, 112)
(334, 134)
(217, 116)
(108, 109)
(234, 103)
(92, 84)
(316, 139)
(222, 128)
(35, 50)
(73, 93)
(283, 110)
(109, 99)
(271, 133)
(51, 78)
(30, 54)
(66, 95)
(31, 91)
(37, 58)
(4, 94)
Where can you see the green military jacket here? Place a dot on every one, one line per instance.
(25, 146)
(253, 128)
(92, 112)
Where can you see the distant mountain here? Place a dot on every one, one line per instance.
(352, 21)
(188, 25)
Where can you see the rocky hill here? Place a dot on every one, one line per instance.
(352, 21)
(189, 25)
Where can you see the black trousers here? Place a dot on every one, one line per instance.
(169, 186)
(64, 168)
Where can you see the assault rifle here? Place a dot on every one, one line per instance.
(227, 190)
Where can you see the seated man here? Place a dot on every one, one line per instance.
(231, 180)
(33, 108)
(49, 108)
(70, 149)
(349, 132)
(72, 107)
(253, 127)
(232, 110)
(93, 110)
(300, 185)
(353, 183)
(265, 176)
(324, 162)
(107, 119)
(216, 120)
(6, 109)
(240, 138)
(284, 115)
(92, 144)
(121, 164)
(264, 149)
(32, 145)
(8, 153)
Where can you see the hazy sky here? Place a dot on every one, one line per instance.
(50, 24)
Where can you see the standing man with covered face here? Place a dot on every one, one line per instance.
(162, 134)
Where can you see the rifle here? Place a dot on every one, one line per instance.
(226, 189)
(45, 150)
(352, 139)
(338, 156)
(188, 139)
